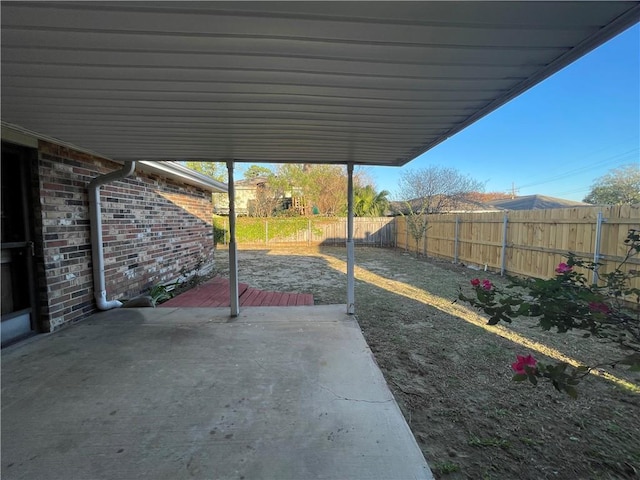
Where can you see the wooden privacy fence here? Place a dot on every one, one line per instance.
(528, 242)
(376, 231)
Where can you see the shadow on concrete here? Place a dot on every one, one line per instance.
(277, 393)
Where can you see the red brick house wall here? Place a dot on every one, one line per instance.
(154, 229)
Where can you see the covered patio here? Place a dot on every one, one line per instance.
(352, 83)
(253, 393)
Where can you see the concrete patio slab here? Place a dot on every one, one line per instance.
(277, 393)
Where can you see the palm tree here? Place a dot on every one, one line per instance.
(368, 203)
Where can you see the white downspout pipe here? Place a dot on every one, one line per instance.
(95, 216)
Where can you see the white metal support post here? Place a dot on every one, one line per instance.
(351, 303)
(233, 248)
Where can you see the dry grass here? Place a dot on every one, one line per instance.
(450, 371)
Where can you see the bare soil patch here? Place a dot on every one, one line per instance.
(451, 377)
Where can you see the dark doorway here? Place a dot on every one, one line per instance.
(17, 248)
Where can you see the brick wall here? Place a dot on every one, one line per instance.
(154, 229)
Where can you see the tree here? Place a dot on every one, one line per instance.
(369, 203)
(267, 200)
(327, 189)
(290, 180)
(215, 170)
(621, 186)
(317, 187)
(257, 171)
(432, 190)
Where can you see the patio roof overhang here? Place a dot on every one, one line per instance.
(371, 83)
(375, 83)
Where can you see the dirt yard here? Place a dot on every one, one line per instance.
(450, 373)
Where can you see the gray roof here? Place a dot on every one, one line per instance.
(536, 202)
(375, 83)
(251, 182)
(454, 205)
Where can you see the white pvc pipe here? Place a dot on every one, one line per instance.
(97, 251)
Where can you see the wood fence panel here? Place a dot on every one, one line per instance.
(536, 240)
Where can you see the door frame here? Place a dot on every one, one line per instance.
(26, 156)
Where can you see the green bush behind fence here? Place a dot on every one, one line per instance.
(257, 230)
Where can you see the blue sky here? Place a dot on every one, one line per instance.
(556, 138)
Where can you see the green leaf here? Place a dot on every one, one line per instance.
(519, 377)
(533, 379)
(572, 392)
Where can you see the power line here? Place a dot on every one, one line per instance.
(618, 158)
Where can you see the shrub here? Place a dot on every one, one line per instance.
(609, 310)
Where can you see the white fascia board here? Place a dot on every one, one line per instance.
(29, 138)
(183, 174)
(18, 136)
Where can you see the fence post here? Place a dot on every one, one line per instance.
(394, 231)
(503, 254)
(424, 244)
(456, 242)
(596, 248)
(406, 235)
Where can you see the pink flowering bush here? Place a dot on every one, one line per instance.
(567, 302)
(485, 284)
(524, 365)
(563, 268)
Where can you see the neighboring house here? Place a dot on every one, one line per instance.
(254, 198)
(529, 202)
(458, 206)
(246, 192)
(535, 202)
(156, 226)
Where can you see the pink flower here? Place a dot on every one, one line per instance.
(475, 282)
(599, 307)
(519, 365)
(563, 268)
(487, 285)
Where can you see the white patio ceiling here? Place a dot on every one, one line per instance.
(328, 82)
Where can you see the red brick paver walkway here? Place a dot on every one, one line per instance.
(215, 293)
